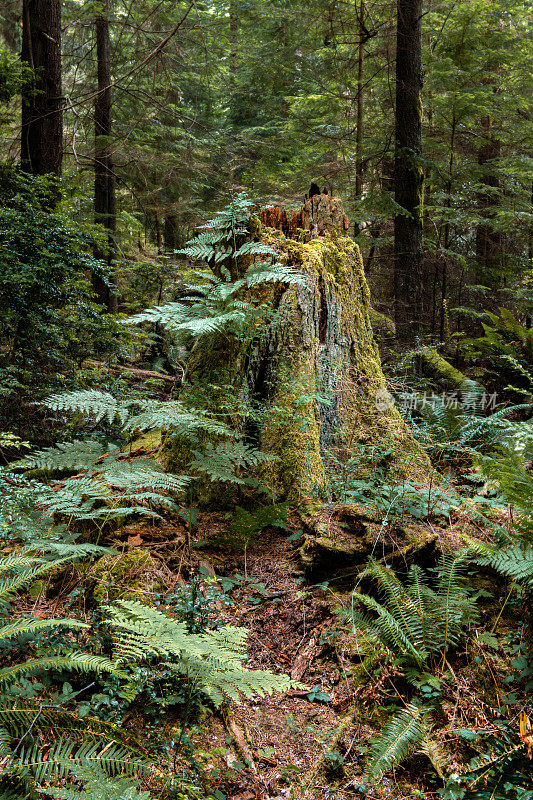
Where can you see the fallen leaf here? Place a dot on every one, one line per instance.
(135, 541)
(526, 733)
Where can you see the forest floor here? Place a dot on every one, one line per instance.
(312, 742)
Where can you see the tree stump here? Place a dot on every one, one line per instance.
(314, 371)
(318, 366)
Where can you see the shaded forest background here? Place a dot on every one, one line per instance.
(266, 492)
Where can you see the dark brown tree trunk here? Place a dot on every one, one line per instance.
(408, 174)
(360, 74)
(104, 168)
(171, 233)
(233, 35)
(488, 241)
(41, 149)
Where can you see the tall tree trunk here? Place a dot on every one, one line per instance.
(41, 149)
(104, 168)
(408, 174)
(449, 184)
(233, 35)
(359, 132)
(488, 241)
(360, 74)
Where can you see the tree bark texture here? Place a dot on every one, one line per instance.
(408, 174)
(104, 168)
(42, 102)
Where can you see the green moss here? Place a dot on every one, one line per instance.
(300, 428)
(434, 365)
(382, 326)
(126, 576)
(333, 262)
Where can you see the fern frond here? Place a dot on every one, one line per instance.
(454, 603)
(391, 632)
(29, 625)
(81, 662)
(66, 757)
(65, 456)
(512, 561)
(401, 736)
(213, 660)
(399, 603)
(10, 585)
(89, 402)
(221, 462)
(16, 720)
(181, 420)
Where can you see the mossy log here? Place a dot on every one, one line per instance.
(314, 371)
(435, 366)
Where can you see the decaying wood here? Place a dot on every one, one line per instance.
(306, 656)
(240, 739)
(318, 215)
(141, 374)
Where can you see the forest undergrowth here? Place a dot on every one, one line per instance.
(171, 628)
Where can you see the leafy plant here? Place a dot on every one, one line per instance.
(404, 733)
(211, 660)
(25, 725)
(415, 623)
(500, 771)
(223, 300)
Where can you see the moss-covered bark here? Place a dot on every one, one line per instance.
(314, 371)
(323, 376)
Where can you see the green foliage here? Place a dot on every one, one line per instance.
(211, 660)
(221, 301)
(154, 414)
(224, 461)
(22, 520)
(507, 348)
(23, 724)
(512, 555)
(514, 485)
(48, 321)
(246, 525)
(415, 623)
(501, 770)
(448, 425)
(403, 734)
(512, 561)
(13, 75)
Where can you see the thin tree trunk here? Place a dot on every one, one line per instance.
(447, 227)
(408, 174)
(41, 149)
(104, 168)
(233, 34)
(488, 241)
(359, 134)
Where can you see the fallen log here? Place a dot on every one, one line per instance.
(141, 374)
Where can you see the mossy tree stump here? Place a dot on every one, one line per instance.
(314, 370)
(318, 365)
